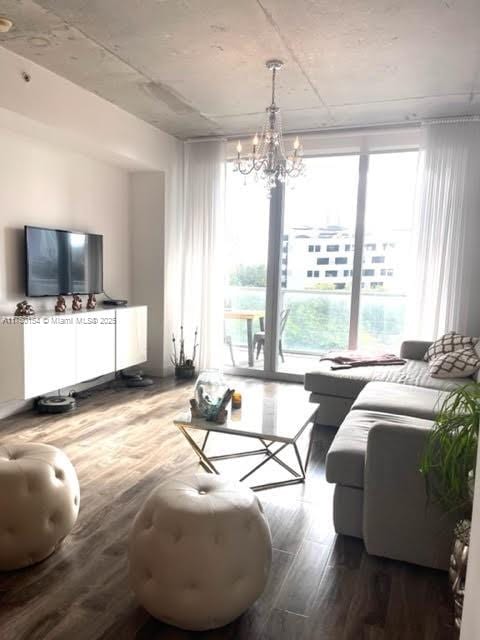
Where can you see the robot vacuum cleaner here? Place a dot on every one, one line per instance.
(56, 404)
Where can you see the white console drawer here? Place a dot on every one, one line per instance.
(49, 357)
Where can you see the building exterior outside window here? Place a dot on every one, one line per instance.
(378, 271)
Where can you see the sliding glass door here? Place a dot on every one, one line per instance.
(317, 260)
(321, 266)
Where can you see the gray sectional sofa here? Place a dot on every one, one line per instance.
(335, 391)
(384, 415)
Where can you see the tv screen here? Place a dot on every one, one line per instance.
(62, 262)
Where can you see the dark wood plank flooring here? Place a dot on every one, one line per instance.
(122, 443)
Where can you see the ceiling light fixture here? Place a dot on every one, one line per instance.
(5, 25)
(268, 158)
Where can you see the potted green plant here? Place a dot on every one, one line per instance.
(448, 465)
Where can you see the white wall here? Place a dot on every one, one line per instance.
(148, 232)
(48, 186)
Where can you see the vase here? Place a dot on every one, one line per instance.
(209, 391)
(184, 372)
(458, 567)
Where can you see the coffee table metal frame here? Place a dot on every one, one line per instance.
(271, 447)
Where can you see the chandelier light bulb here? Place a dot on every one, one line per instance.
(239, 147)
(255, 140)
(296, 144)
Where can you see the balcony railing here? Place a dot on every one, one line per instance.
(319, 319)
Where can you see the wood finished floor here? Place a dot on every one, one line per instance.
(122, 443)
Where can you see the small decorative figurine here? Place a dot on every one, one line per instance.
(76, 303)
(24, 309)
(92, 301)
(61, 305)
(222, 413)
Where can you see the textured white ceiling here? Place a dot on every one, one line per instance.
(196, 67)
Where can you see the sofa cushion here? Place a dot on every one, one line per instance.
(400, 399)
(347, 383)
(346, 456)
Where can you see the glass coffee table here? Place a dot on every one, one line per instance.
(281, 422)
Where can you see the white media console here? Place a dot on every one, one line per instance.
(51, 351)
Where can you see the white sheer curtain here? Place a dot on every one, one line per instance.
(202, 249)
(445, 280)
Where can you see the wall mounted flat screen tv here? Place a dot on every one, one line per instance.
(62, 262)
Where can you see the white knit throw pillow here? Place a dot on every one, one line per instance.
(456, 364)
(447, 343)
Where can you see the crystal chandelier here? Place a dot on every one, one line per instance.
(268, 158)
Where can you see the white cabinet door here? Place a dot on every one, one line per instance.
(131, 336)
(49, 353)
(12, 366)
(95, 337)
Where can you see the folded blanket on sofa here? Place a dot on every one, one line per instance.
(350, 359)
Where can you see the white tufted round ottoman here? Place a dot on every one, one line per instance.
(200, 551)
(39, 502)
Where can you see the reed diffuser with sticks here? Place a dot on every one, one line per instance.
(184, 367)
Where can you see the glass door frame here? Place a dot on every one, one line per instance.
(274, 258)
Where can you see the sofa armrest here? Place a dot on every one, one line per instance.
(414, 349)
(400, 520)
